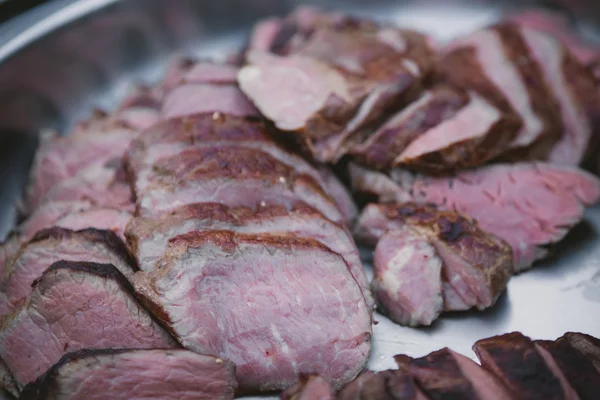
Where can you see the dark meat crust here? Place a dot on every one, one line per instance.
(439, 375)
(384, 385)
(492, 255)
(514, 359)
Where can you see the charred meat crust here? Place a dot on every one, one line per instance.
(106, 271)
(541, 96)
(518, 365)
(105, 237)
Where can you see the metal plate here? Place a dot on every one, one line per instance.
(61, 60)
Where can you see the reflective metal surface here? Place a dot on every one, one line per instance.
(61, 60)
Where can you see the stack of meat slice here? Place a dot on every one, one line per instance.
(529, 205)
(512, 367)
(428, 261)
(243, 252)
(327, 78)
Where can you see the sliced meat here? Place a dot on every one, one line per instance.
(476, 265)
(576, 91)
(524, 367)
(55, 244)
(233, 176)
(587, 345)
(47, 214)
(577, 368)
(311, 387)
(407, 282)
(148, 238)
(99, 312)
(189, 99)
(384, 385)
(475, 134)
(445, 374)
(264, 34)
(209, 72)
(103, 185)
(559, 26)
(336, 77)
(534, 204)
(171, 137)
(99, 218)
(497, 63)
(233, 283)
(134, 374)
(432, 108)
(63, 158)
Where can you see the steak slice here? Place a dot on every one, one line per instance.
(384, 385)
(477, 133)
(60, 158)
(433, 107)
(234, 176)
(148, 238)
(53, 245)
(99, 218)
(576, 91)
(577, 368)
(534, 204)
(497, 63)
(415, 243)
(445, 374)
(337, 76)
(256, 300)
(100, 311)
(311, 387)
(524, 367)
(587, 345)
(134, 374)
(408, 278)
(104, 185)
(172, 137)
(558, 25)
(47, 214)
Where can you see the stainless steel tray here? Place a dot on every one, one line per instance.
(59, 61)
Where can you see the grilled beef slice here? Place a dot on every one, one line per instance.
(73, 306)
(56, 244)
(148, 238)
(496, 63)
(234, 176)
(310, 387)
(256, 299)
(529, 205)
(171, 137)
(577, 368)
(356, 71)
(525, 368)
(60, 158)
(445, 374)
(134, 374)
(384, 385)
(587, 345)
(47, 214)
(427, 260)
